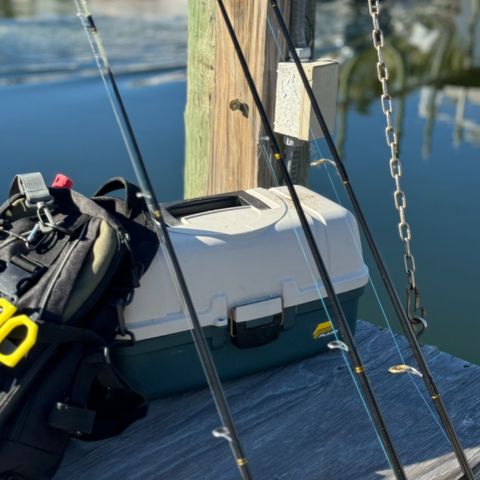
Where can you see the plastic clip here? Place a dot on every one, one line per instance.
(8, 323)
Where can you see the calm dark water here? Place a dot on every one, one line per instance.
(55, 117)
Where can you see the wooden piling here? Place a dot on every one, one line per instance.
(222, 125)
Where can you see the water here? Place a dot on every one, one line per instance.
(54, 116)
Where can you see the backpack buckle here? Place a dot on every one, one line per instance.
(123, 331)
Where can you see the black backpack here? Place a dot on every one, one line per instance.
(68, 266)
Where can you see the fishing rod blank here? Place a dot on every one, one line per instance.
(228, 430)
(399, 310)
(340, 320)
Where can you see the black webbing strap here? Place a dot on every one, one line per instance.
(16, 277)
(57, 333)
(133, 203)
(24, 269)
(71, 419)
(101, 404)
(29, 265)
(47, 251)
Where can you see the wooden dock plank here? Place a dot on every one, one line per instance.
(302, 421)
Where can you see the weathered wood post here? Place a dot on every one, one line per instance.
(223, 127)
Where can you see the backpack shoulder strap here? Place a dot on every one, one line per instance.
(132, 212)
(133, 203)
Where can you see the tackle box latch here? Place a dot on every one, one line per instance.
(257, 323)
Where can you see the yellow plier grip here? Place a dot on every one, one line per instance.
(8, 323)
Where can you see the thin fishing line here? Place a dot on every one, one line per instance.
(371, 281)
(227, 430)
(318, 287)
(321, 295)
(396, 303)
(322, 270)
(389, 327)
(374, 288)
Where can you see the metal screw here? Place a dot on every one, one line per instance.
(237, 104)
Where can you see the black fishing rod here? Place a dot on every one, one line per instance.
(399, 310)
(227, 430)
(338, 314)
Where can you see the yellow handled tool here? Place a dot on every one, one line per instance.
(8, 323)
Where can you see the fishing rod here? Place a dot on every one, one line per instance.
(228, 430)
(398, 307)
(340, 319)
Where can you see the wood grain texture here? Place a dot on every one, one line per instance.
(302, 421)
(200, 84)
(222, 149)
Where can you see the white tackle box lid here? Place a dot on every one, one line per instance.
(246, 248)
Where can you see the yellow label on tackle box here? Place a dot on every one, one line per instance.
(322, 329)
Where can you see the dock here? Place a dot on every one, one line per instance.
(302, 421)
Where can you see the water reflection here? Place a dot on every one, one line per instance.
(429, 44)
(433, 51)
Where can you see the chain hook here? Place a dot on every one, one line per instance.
(415, 312)
(419, 325)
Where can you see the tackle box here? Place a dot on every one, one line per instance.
(253, 282)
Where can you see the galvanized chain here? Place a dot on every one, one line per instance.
(415, 311)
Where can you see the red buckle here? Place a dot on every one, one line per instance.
(62, 181)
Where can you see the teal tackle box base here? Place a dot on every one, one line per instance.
(166, 365)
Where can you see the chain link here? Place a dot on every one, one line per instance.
(414, 309)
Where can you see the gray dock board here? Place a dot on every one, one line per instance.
(301, 421)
